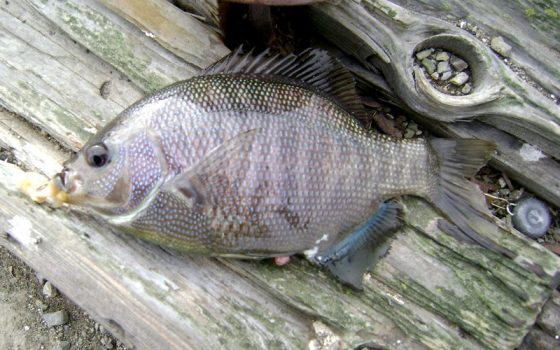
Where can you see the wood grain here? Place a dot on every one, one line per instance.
(431, 291)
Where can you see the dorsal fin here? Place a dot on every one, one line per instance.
(314, 67)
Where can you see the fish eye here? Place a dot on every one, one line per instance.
(97, 155)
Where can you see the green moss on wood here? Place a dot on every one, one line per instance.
(383, 299)
(34, 100)
(106, 40)
(421, 215)
(530, 12)
(543, 16)
(231, 327)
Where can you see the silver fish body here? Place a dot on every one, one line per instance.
(309, 173)
(238, 163)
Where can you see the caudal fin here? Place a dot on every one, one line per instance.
(459, 199)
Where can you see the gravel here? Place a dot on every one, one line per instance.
(521, 73)
(460, 79)
(447, 72)
(57, 318)
(22, 306)
(48, 290)
(62, 345)
(430, 65)
(424, 53)
(499, 45)
(458, 64)
(443, 67)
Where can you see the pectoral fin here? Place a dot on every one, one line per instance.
(350, 258)
(209, 180)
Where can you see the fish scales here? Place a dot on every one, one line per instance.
(306, 176)
(264, 156)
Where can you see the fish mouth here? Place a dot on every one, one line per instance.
(67, 181)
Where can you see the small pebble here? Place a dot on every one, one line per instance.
(445, 76)
(49, 290)
(412, 126)
(107, 342)
(531, 217)
(56, 318)
(443, 67)
(500, 46)
(442, 56)
(423, 54)
(429, 65)
(502, 182)
(515, 195)
(435, 75)
(460, 79)
(409, 133)
(466, 89)
(62, 345)
(458, 63)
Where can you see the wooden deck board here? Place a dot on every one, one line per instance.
(429, 292)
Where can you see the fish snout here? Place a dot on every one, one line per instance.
(66, 180)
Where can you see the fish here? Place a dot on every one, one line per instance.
(264, 155)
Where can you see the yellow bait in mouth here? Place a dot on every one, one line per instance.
(42, 190)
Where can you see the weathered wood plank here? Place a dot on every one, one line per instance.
(534, 37)
(420, 296)
(368, 30)
(172, 28)
(120, 43)
(426, 281)
(208, 9)
(34, 151)
(549, 319)
(33, 63)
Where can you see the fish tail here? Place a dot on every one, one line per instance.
(460, 200)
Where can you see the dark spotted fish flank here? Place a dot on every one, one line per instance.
(304, 179)
(264, 156)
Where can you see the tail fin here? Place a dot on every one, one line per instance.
(459, 199)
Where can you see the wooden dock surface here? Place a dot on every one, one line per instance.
(68, 67)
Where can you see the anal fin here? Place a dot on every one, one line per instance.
(350, 258)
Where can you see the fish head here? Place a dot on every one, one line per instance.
(98, 175)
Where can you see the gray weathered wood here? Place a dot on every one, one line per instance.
(172, 28)
(431, 291)
(534, 38)
(549, 319)
(385, 35)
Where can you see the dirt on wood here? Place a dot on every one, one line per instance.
(23, 306)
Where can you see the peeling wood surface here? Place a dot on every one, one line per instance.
(369, 31)
(431, 291)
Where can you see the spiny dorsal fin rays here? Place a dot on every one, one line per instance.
(313, 67)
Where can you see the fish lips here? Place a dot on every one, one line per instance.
(67, 181)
